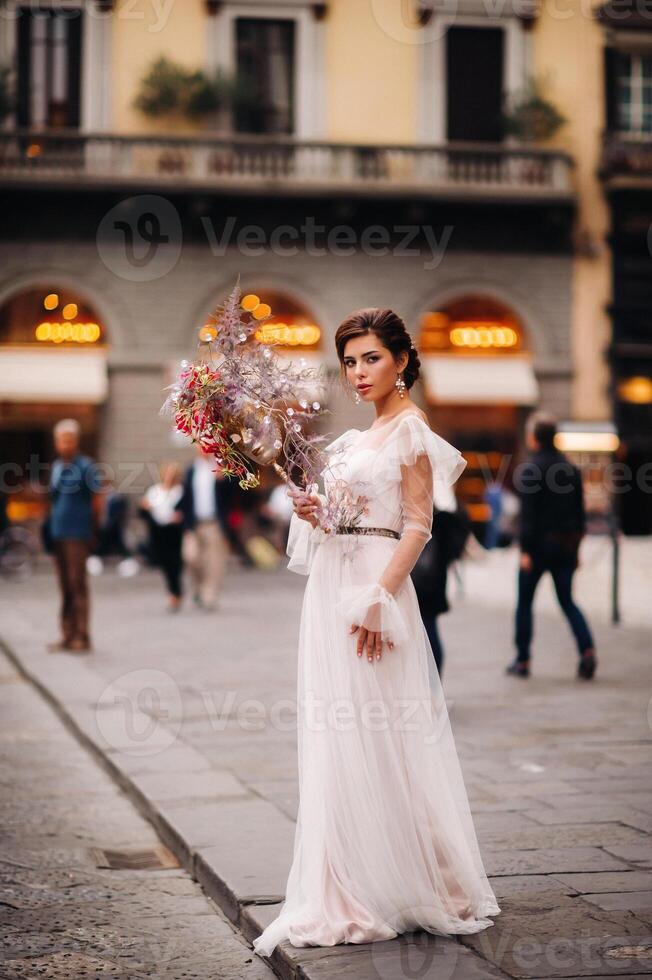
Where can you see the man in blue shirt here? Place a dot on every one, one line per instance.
(74, 494)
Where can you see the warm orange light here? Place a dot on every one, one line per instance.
(51, 301)
(482, 335)
(636, 390)
(70, 311)
(434, 321)
(207, 334)
(262, 310)
(78, 333)
(290, 335)
(33, 150)
(249, 302)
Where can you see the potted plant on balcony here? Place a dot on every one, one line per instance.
(169, 90)
(530, 117)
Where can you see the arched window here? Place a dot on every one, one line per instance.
(49, 315)
(480, 384)
(476, 324)
(291, 326)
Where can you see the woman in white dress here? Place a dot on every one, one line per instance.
(385, 841)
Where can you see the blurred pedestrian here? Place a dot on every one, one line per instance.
(493, 497)
(205, 505)
(165, 519)
(74, 490)
(552, 526)
(450, 530)
(115, 513)
(278, 510)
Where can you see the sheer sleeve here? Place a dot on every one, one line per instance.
(417, 506)
(302, 544)
(419, 460)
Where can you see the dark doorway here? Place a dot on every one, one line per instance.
(474, 83)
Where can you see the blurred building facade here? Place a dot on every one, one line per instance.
(333, 155)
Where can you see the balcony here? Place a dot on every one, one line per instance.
(266, 165)
(626, 161)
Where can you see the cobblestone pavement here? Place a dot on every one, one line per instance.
(61, 915)
(196, 714)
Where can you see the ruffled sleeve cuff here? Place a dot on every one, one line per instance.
(374, 608)
(302, 544)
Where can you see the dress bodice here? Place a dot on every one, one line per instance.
(374, 462)
(395, 466)
(353, 463)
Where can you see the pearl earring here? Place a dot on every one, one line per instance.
(357, 398)
(400, 384)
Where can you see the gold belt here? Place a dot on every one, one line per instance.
(353, 529)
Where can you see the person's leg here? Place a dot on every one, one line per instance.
(203, 560)
(79, 551)
(562, 577)
(215, 552)
(527, 584)
(65, 609)
(191, 557)
(169, 549)
(432, 630)
(176, 563)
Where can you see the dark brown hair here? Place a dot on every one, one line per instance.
(390, 330)
(543, 426)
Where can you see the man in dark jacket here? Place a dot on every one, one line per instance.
(552, 527)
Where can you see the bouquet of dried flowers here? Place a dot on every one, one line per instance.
(245, 406)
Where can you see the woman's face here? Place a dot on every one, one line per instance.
(370, 367)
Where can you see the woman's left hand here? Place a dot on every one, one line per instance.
(372, 640)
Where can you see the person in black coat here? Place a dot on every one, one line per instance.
(450, 529)
(551, 528)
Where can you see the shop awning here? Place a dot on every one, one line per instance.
(459, 379)
(53, 375)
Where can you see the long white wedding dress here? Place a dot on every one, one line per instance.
(385, 841)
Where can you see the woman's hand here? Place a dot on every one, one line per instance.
(306, 506)
(372, 640)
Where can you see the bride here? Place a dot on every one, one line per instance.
(384, 840)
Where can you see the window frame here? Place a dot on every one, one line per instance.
(309, 60)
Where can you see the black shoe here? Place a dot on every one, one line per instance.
(587, 665)
(520, 668)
